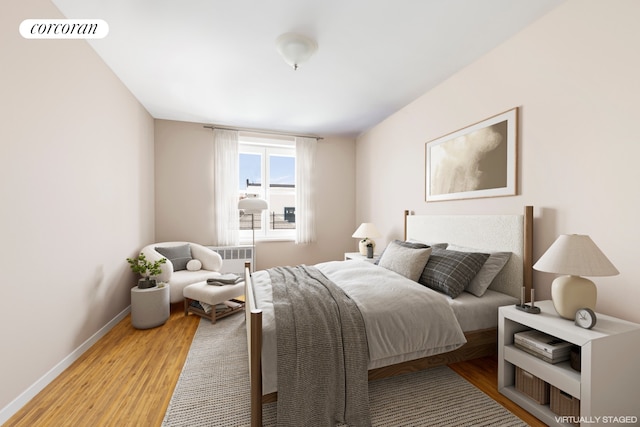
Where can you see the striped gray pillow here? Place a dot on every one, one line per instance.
(451, 271)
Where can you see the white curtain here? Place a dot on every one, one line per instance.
(305, 190)
(225, 187)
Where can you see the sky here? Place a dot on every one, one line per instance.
(282, 169)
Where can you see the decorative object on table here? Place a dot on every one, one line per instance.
(295, 48)
(528, 308)
(147, 269)
(369, 250)
(476, 161)
(366, 232)
(252, 206)
(586, 318)
(574, 255)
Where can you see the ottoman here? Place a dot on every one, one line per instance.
(221, 299)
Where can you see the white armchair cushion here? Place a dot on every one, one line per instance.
(194, 265)
(210, 260)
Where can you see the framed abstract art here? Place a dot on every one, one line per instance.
(476, 161)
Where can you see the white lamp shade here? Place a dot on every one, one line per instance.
(576, 255)
(295, 48)
(252, 204)
(366, 230)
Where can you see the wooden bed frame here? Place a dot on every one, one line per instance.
(480, 343)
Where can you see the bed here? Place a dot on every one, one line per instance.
(476, 316)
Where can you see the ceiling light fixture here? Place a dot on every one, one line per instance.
(295, 48)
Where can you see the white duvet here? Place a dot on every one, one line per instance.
(404, 320)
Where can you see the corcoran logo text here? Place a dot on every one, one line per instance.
(64, 29)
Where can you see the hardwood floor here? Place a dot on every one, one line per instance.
(483, 373)
(127, 379)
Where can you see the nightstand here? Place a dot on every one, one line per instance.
(357, 256)
(606, 385)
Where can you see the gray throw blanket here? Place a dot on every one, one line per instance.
(322, 351)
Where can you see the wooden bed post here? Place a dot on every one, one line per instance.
(253, 317)
(256, 374)
(527, 280)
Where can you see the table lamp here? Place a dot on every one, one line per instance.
(574, 255)
(366, 232)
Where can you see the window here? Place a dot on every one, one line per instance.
(267, 170)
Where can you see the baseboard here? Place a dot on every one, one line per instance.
(12, 408)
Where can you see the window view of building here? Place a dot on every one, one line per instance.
(267, 170)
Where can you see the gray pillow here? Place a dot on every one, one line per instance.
(451, 271)
(407, 261)
(433, 245)
(178, 255)
(406, 244)
(492, 266)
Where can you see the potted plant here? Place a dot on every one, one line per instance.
(147, 269)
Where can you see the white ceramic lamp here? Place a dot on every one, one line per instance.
(365, 233)
(574, 255)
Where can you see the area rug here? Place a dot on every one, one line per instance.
(213, 390)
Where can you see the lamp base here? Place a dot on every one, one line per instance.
(570, 293)
(362, 246)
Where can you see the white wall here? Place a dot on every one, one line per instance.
(184, 198)
(574, 75)
(76, 174)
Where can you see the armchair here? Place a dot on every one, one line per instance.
(187, 263)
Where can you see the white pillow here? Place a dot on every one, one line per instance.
(194, 265)
(492, 266)
(405, 261)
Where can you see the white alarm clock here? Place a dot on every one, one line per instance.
(585, 318)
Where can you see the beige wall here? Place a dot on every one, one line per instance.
(183, 174)
(574, 75)
(76, 175)
(184, 199)
(335, 208)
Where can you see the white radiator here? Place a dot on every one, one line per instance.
(234, 257)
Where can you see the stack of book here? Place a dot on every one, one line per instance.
(543, 346)
(220, 308)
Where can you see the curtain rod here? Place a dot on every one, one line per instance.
(212, 127)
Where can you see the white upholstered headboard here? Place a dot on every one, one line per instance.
(488, 233)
